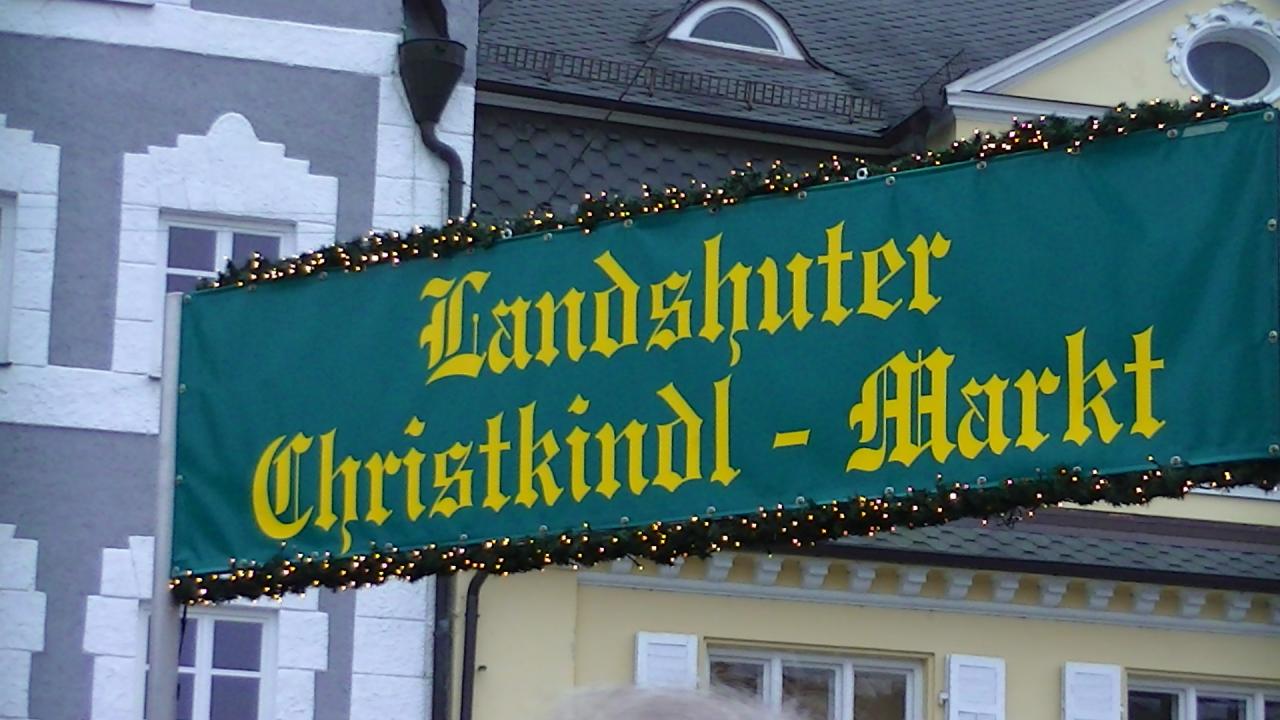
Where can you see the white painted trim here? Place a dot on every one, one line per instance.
(29, 182)
(392, 650)
(172, 27)
(1022, 107)
(1241, 493)
(656, 668)
(69, 397)
(227, 172)
(786, 44)
(965, 704)
(1092, 692)
(114, 632)
(23, 609)
(970, 607)
(993, 75)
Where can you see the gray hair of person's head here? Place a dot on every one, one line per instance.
(630, 703)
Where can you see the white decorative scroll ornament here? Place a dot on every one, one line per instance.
(1235, 22)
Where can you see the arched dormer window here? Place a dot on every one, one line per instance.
(738, 25)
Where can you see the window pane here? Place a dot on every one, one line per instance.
(236, 645)
(1152, 706)
(180, 283)
(810, 691)
(735, 27)
(191, 248)
(1212, 708)
(233, 698)
(187, 645)
(879, 695)
(1228, 69)
(186, 691)
(1272, 710)
(244, 245)
(744, 677)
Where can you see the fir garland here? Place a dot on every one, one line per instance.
(768, 529)
(459, 234)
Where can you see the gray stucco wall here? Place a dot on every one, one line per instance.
(100, 101)
(75, 491)
(380, 15)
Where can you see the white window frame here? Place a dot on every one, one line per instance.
(1255, 698)
(787, 45)
(845, 665)
(204, 672)
(224, 227)
(8, 256)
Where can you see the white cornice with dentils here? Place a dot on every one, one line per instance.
(973, 91)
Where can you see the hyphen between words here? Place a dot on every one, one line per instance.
(894, 419)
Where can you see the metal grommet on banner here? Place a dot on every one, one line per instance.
(624, 520)
(1176, 461)
(542, 529)
(890, 180)
(324, 275)
(186, 298)
(862, 173)
(1273, 337)
(462, 538)
(888, 492)
(982, 480)
(505, 233)
(802, 195)
(982, 165)
(800, 500)
(1271, 224)
(628, 222)
(546, 237)
(182, 387)
(711, 509)
(1269, 116)
(1173, 133)
(1273, 449)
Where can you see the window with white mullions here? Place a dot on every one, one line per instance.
(822, 688)
(1174, 701)
(198, 249)
(224, 667)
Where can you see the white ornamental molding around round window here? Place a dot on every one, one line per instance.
(1231, 51)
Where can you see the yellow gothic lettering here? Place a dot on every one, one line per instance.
(922, 252)
(967, 441)
(577, 442)
(662, 335)
(737, 279)
(378, 466)
(548, 309)
(285, 464)
(906, 409)
(1077, 430)
(540, 472)
(667, 477)
(873, 281)
(442, 335)
(492, 449)
(513, 328)
(1143, 365)
(770, 320)
(608, 440)
(1031, 388)
(412, 462)
(834, 258)
(628, 292)
(458, 479)
(349, 469)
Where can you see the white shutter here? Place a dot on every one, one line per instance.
(1091, 692)
(666, 660)
(975, 688)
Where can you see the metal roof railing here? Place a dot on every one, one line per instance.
(752, 93)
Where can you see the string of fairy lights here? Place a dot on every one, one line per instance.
(393, 247)
(803, 524)
(775, 529)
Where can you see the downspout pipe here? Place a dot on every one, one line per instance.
(469, 645)
(442, 649)
(430, 69)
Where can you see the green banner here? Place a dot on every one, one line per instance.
(976, 322)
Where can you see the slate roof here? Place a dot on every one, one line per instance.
(888, 56)
(1117, 548)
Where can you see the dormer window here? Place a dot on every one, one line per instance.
(738, 25)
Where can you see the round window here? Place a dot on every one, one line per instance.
(1229, 70)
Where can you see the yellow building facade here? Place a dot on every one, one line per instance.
(1163, 612)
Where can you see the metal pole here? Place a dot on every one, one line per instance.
(162, 646)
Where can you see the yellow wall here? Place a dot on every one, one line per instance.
(542, 635)
(1127, 64)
